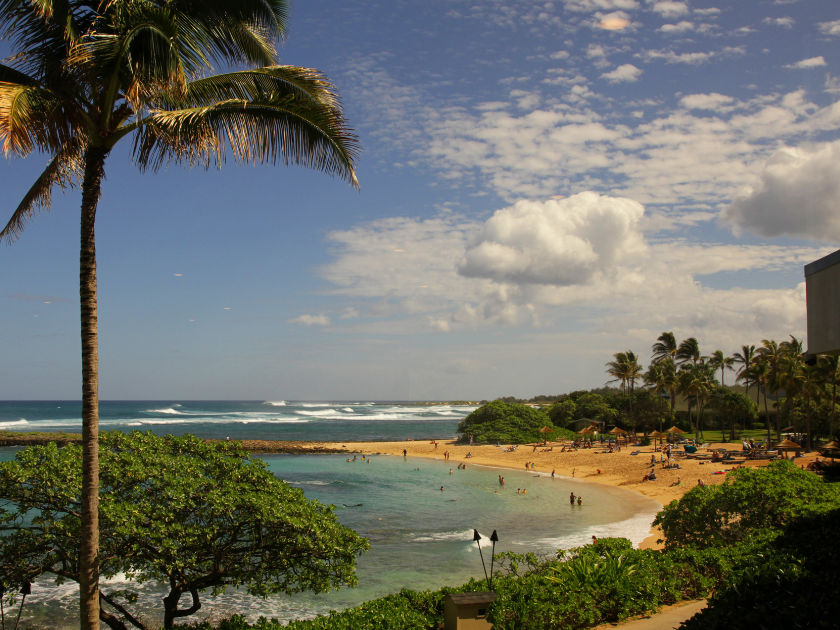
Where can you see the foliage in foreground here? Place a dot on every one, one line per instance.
(508, 423)
(192, 515)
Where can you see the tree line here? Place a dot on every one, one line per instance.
(778, 373)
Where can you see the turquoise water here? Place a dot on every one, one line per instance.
(421, 537)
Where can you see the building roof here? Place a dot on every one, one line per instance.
(472, 598)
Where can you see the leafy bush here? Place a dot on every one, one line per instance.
(751, 499)
(511, 423)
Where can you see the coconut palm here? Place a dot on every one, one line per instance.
(745, 358)
(655, 379)
(626, 369)
(86, 75)
(830, 366)
(771, 353)
(718, 360)
(664, 348)
(759, 373)
(688, 351)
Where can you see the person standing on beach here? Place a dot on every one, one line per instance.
(405, 452)
(552, 473)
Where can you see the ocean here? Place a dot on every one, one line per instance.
(421, 537)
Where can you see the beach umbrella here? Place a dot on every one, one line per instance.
(617, 431)
(586, 431)
(545, 430)
(787, 445)
(832, 450)
(675, 429)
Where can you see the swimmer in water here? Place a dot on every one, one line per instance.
(441, 488)
(580, 500)
(572, 498)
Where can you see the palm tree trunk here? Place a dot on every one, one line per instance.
(808, 422)
(833, 410)
(767, 420)
(89, 543)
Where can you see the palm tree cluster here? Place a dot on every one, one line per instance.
(776, 371)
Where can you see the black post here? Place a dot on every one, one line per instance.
(25, 590)
(2, 611)
(476, 538)
(494, 538)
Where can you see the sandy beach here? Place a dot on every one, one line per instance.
(593, 465)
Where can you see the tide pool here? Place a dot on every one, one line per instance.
(421, 536)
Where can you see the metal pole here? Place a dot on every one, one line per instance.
(494, 538)
(476, 538)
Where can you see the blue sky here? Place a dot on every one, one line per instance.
(543, 184)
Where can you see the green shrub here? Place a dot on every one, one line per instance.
(511, 423)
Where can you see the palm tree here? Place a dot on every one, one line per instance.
(664, 348)
(811, 388)
(830, 366)
(745, 358)
(688, 350)
(759, 373)
(719, 361)
(625, 368)
(655, 378)
(771, 353)
(87, 74)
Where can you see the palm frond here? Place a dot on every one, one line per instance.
(268, 129)
(66, 166)
(31, 116)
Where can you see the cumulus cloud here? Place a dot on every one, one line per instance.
(713, 101)
(798, 195)
(311, 320)
(557, 242)
(786, 22)
(681, 27)
(626, 73)
(669, 9)
(590, 6)
(830, 28)
(813, 62)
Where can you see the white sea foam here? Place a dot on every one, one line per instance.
(13, 423)
(169, 410)
(635, 529)
(463, 535)
(315, 405)
(315, 413)
(347, 409)
(275, 403)
(308, 483)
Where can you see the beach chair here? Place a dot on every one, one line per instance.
(690, 449)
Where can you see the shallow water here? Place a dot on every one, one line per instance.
(421, 537)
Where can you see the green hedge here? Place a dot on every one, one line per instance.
(508, 423)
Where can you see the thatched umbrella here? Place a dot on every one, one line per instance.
(586, 431)
(617, 431)
(657, 434)
(545, 430)
(675, 429)
(787, 445)
(832, 450)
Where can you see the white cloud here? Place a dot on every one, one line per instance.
(668, 8)
(349, 313)
(813, 62)
(311, 320)
(626, 73)
(786, 22)
(714, 101)
(560, 243)
(710, 11)
(560, 54)
(589, 6)
(695, 58)
(798, 195)
(656, 286)
(830, 28)
(681, 27)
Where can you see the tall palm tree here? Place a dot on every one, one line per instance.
(720, 361)
(771, 353)
(811, 388)
(688, 351)
(625, 368)
(745, 358)
(87, 74)
(830, 366)
(759, 373)
(664, 348)
(655, 379)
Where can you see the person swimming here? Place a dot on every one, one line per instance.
(572, 498)
(580, 500)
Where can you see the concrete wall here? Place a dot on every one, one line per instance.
(822, 286)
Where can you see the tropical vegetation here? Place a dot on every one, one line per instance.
(85, 75)
(193, 516)
(511, 423)
(762, 547)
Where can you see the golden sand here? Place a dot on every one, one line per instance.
(593, 465)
